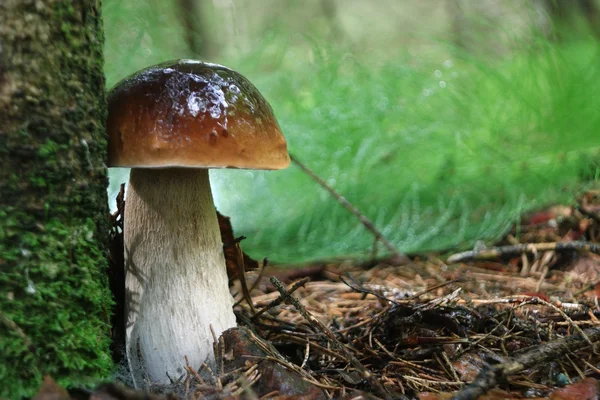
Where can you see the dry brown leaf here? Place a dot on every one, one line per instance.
(50, 390)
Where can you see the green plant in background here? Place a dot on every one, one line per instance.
(438, 149)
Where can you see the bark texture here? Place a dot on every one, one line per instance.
(176, 279)
(54, 301)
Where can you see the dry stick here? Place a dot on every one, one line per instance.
(280, 299)
(260, 274)
(246, 388)
(430, 289)
(495, 252)
(242, 273)
(254, 285)
(192, 371)
(359, 288)
(451, 368)
(491, 376)
(342, 200)
(347, 354)
(565, 316)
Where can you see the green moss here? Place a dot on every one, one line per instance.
(57, 297)
(54, 297)
(50, 148)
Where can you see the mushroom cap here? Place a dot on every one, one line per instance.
(188, 113)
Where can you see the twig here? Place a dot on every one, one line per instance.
(192, 371)
(246, 387)
(215, 378)
(242, 273)
(277, 358)
(260, 274)
(495, 252)
(280, 299)
(254, 284)
(537, 300)
(368, 376)
(359, 288)
(350, 207)
(432, 288)
(451, 370)
(306, 353)
(490, 376)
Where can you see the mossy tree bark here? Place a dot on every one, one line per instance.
(54, 301)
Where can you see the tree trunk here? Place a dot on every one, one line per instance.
(197, 34)
(54, 301)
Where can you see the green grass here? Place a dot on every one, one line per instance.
(435, 165)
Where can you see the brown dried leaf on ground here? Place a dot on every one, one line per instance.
(586, 389)
(231, 253)
(113, 391)
(50, 390)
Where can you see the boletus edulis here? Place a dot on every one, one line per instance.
(170, 123)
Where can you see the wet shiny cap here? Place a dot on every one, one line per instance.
(188, 113)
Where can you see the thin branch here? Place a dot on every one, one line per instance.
(354, 285)
(350, 207)
(491, 376)
(242, 274)
(496, 252)
(280, 299)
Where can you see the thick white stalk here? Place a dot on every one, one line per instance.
(176, 279)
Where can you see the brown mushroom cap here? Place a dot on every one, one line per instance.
(188, 113)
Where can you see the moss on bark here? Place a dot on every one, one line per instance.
(54, 301)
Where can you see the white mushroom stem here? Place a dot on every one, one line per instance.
(176, 279)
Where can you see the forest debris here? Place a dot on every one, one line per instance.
(585, 389)
(113, 391)
(242, 349)
(586, 268)
(231, 249)
(50, 390)
(590, 204)
(503, 251)
(281, 299)
(491, 375)
(366, 374)
(412, 332)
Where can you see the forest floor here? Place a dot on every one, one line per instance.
(520, 320)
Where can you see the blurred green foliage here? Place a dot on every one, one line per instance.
(439, 145)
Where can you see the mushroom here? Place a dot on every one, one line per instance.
(170, 123)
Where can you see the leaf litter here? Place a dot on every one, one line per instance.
(519, 320)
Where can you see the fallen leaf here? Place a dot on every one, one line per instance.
(51, 391)
(229, 248)
(586, 389)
